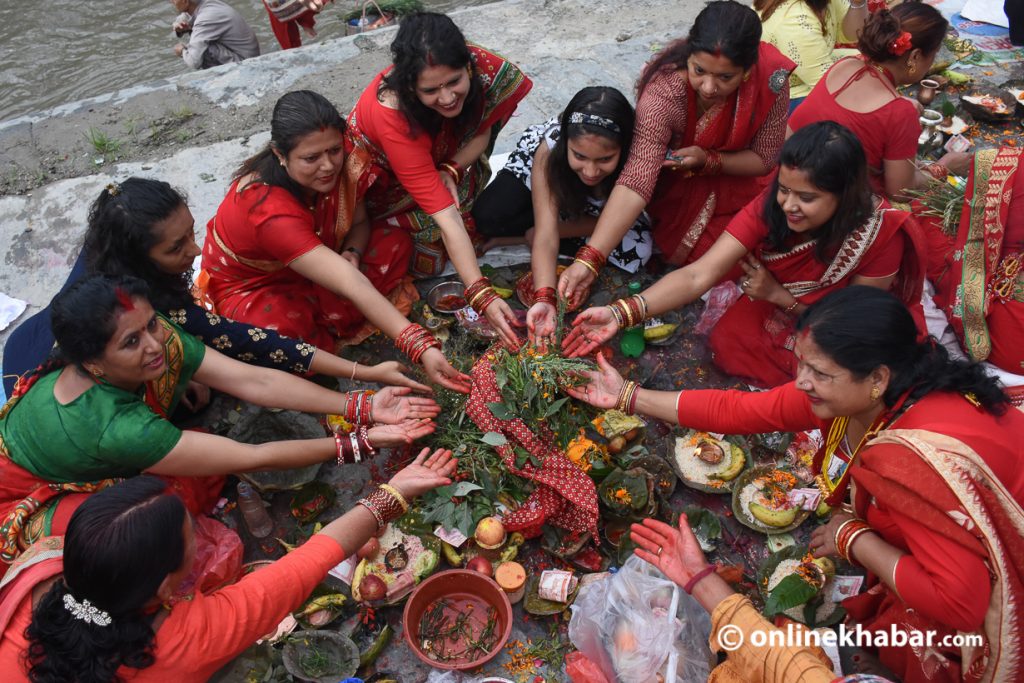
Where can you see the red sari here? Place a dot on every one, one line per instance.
(977, 272)
(401, 184)
(754, 339)
(689, 212)
(259, 230)
(942, 483)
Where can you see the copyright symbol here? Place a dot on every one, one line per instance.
(730, 638)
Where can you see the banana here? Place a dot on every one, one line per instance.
(659, 332)
(773, 518)
(503, 293)
(737, 461)
(451, 554)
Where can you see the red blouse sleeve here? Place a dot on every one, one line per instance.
(784, 408)
(748, 225)
(768, 139)
(204, 634)
(660, 111)
(411, 160)
(282, 227)
(939, 577)
(904, 128)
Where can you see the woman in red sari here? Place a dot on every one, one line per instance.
(930, 456)
(425, 127)
(818, 228)
(290, 248)
(976, 270)
(710, 118)
(897, 48)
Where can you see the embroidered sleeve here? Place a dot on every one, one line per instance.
(659, 113)
(265, 348)
(768, 139)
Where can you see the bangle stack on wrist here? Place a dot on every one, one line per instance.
(627, 397)
(480, 295)
(386, 504)
(847, 533)
(629, 312)
(452, 169)
(351, 446)
(359, 407)
(591, 258)
(414, 341)
(545, 295)
(712, 163)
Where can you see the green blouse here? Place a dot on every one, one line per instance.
(105, 432)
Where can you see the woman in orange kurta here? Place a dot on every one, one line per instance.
(933, 454)
(127, 549)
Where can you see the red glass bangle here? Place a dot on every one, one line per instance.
(696, 578)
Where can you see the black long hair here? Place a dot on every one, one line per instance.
(120, 545)
(83, 317)
(834, 161)
(925, 24)
(120, 236)
(296, 115)
(862, 328)
(617, 121)
(430, 39)
(723, 27)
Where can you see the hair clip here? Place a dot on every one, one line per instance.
(86, 611)
(578, 117)
(113, 189)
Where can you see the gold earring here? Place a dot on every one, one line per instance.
(746, 77)
(875, 393)
(911, 69)
(96, 372)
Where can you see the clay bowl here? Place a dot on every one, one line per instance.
(458, 585)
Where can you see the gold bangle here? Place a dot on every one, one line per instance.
(398, 496)
(589, 266)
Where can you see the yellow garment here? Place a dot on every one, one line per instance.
(795, 30)
(750, 664)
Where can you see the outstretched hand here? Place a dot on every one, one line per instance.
(425, 473)
(675, 552)
(392, 372)
(402, 434)
(574, 284)
(590, 329)
(502, 319)
(602, 388)
(440, 371)
(540, 322)
(392, 405)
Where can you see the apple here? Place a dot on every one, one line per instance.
(480, 564)
(490, 533)
(372, 588)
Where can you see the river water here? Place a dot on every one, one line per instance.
(61, 51)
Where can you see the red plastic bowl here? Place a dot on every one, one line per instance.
(456, 584)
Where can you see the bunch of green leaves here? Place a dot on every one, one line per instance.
(942, 200)
(396, 8)
(531, 382)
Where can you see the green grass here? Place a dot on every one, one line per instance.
(101, 142)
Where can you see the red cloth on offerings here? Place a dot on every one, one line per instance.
(689, 212)
(259, 230)
(754, 339)
(564, 496)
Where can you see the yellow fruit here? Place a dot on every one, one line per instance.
(737, 461)
(490, 533)
(773, 518)
(659, 332)
(503, 293)
(826, 565)
(822, 509)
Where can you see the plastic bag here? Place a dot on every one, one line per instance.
(638, 623)
(717, 301)
(218, 557)
(582, 670)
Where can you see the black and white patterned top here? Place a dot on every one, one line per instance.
(637, 244)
